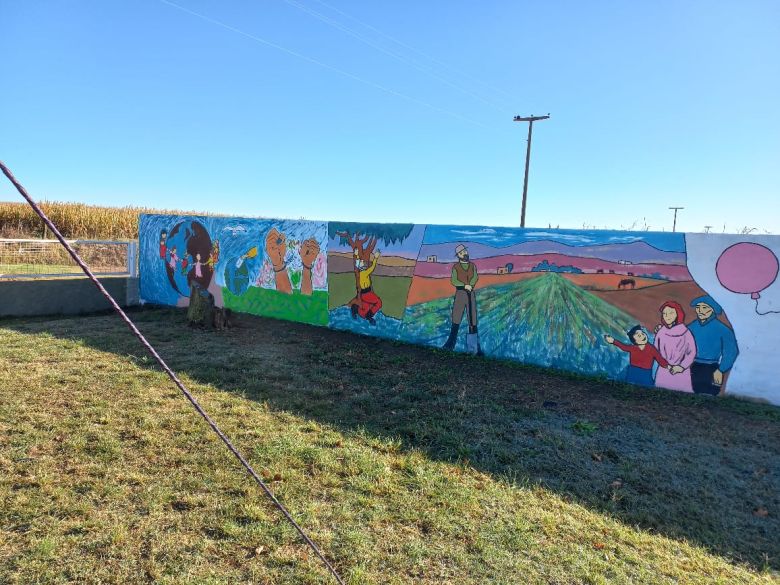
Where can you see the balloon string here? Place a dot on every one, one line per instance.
(765, 312)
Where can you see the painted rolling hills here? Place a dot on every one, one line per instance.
(635, 252)
(526, 262)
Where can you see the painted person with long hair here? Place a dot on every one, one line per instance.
(641, 356)
(676, 345)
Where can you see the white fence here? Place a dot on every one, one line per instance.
(48, 259)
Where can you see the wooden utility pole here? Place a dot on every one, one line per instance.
(674, 225)
(530, 119)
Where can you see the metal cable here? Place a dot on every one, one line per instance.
(168, 370)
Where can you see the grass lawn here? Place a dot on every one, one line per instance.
(38, 269)
(407, 465)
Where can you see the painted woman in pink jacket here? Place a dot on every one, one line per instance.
(676, 344)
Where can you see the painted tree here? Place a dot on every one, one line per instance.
(363, 239)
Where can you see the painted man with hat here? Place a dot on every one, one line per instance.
(716, 346)
(464, 277)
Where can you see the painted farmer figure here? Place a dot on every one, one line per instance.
(716, 346)
(464, 278)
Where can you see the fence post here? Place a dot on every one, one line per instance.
(132, 259)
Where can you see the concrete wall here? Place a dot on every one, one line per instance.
(64, 296)
(687, 312)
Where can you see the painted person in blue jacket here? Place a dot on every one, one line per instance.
(716, 346)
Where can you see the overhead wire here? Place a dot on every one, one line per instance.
(415, 50)
(324, 65)
(399, 57)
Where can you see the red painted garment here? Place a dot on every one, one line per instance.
(642, 358)
(163, 249)
(369, 303)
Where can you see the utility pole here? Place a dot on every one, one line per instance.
(674, 225)
(530, 119)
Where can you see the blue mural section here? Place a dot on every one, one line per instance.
(274, 268)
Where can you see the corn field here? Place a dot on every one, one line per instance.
(74, 220)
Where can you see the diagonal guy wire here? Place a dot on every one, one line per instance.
(167, 370)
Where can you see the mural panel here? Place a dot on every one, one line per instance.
(273, 268)
(370, 269)
(596, 302)
(741, 273)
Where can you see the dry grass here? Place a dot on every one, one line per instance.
(74, 220)
(408, 465)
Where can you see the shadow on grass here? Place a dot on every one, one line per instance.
(687, 467)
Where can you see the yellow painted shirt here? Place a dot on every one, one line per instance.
(365, 275)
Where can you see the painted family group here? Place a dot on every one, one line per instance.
(691, 357)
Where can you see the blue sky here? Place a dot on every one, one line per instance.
(653, 104)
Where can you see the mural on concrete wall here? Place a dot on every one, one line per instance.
(370, 269)
(687, 312)
(272, 268)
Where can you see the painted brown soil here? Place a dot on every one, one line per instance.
(644, 303)
(386, 266)
(609, 281)
(426, 289)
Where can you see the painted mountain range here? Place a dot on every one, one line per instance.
(635, 252)
(526, 263)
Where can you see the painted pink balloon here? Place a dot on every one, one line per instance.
(747, 268)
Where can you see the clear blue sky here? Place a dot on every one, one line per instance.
(653, 104)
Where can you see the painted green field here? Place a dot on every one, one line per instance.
(391, 289)
(408, 465)
(545, 320)
(270, 303)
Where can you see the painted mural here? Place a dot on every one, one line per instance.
(370, 270)
(694, 313)
(272, 268)
(596, 302)
(741, 273)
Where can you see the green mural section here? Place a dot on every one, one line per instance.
(312, 309)
(544, 320)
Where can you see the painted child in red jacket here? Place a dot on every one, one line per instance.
(642, 354)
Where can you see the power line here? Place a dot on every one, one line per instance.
(322, 64)
(530, 119)
(401, 58)
(674, 225)
(414, 50)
